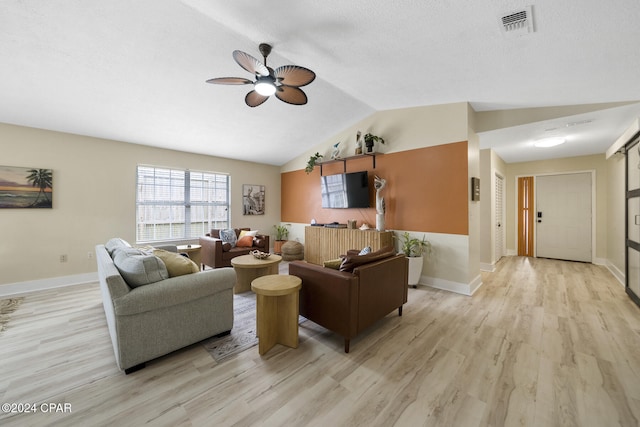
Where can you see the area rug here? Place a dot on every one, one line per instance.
(8, 306)
(243, 333)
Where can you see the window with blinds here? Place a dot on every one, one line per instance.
(175, 204)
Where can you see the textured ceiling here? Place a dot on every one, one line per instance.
(135, 71)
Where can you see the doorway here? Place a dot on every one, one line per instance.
(564, 216)
(499, 212)
(557, 220)
(632, 285)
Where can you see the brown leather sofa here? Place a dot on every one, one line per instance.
(215, 253)
(347, 302)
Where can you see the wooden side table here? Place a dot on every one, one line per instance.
(277, 309)
(194, 253)
(248, 267)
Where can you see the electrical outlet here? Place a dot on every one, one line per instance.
(63, 258)
(89, 255)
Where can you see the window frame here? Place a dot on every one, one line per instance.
(161, 180)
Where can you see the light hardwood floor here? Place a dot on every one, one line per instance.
(542, 343)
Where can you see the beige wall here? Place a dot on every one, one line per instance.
(94, 198)
(572, 164)
(403, 129)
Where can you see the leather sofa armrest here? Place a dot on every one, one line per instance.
(328, 297)
(211, 251)
(383, 288)
(262, 242)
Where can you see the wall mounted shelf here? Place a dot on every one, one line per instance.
(345, 159)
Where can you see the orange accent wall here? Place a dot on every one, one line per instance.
(427, 190)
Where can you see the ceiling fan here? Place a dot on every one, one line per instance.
(284, 81)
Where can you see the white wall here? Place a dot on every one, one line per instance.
(94, 198)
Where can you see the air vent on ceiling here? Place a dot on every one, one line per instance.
(517, 23)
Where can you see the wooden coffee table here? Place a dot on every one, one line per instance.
(248, 268)
(277, 309)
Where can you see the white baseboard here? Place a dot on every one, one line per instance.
(490, 268)
(448, 285)
(45, 284)
(511, 252)
(620, 275)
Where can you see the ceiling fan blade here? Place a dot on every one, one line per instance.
(230, 81)
(253, 99)
(291, 95)
(293, 75)
(250, 63)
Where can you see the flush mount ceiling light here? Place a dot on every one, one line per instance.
(549, 142)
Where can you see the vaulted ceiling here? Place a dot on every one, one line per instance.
(135, 71)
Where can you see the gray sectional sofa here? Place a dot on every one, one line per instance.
(148, 320)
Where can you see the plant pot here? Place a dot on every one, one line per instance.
(370, 147)
(277, 246)
(415, 270)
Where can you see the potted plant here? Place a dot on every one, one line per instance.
(281, 237)
(313, 161)
(414, 249)
(370, 139)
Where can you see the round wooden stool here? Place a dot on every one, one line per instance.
(276, 310)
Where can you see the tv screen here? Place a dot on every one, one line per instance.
(345, 190)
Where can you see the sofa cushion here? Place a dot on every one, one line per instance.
(251, 233)
(229, 236)
(352, 261)
(177, 265)
(114, 244)
(333, 263)
(245, 242)
(365, 250)
(138, 268)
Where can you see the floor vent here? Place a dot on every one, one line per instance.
(517, 23)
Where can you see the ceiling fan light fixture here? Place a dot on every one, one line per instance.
(549, 142)
(264, 86)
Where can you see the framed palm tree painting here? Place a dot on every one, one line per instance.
(26, 187)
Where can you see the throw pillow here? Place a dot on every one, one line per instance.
(352, 261)
(245, 241)
(137, 268)
(333, 263)
(251, 233)
(177, 265)
(114, 244)
(365, 250)
(229, 236)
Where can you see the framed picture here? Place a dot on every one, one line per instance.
(253, 199)
(25, 187)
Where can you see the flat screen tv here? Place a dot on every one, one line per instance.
(345, 190)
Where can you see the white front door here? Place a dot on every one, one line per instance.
(563, 216)
(499, 243)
